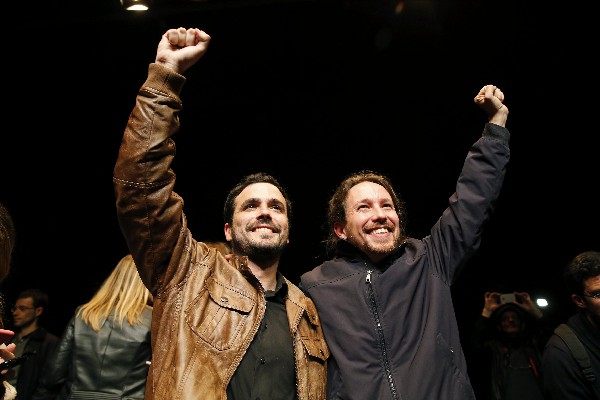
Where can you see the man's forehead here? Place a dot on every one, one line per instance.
(25, 300)
(592, 283)
(368, 191)
(260, 191)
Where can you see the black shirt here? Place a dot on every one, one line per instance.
(267, 370)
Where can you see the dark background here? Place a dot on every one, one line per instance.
(308, 91)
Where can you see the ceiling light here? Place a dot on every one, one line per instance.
(136, 5)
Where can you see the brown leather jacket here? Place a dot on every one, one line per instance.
(206, 309)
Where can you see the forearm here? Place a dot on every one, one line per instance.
(477, 190)
(149, 212)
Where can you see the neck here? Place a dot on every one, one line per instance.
(266, 274)
(593, 320)
(27, 329)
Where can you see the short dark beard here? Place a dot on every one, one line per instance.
(264, 254)
(261, 254)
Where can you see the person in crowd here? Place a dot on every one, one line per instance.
(7, 245)
(104, 352)
(564, 379)
(384, 298)
(32, 340)
(509, 338)
(223, 326)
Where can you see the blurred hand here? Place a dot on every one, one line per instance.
(6, 353)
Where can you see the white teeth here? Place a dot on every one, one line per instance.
(263, 230)
(380, 230)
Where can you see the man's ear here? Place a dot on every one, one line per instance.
(578, 301)
(339, 231)
(227, 231)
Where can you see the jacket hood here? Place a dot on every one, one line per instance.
(508, 307)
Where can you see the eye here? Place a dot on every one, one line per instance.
(593, 295)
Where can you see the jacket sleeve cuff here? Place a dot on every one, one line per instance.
(164, 80)
(493, 131)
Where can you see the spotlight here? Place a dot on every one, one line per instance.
(541, 302)
(136, 5)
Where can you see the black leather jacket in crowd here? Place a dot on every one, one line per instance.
(106, 365)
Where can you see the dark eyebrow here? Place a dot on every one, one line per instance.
(270, 201)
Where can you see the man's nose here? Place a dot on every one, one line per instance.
(264, 210)
(379, 213)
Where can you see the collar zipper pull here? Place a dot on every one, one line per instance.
(368, 279)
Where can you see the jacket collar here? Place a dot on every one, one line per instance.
(347, 250)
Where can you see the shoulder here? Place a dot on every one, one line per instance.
(330, 271)
(308, 277)
(51, 338)
(43, 335)
(555, 349)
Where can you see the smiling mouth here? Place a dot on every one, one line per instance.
(380, 231)
(263, 229)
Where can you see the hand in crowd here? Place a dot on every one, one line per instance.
(527, 304)
(523, 301)
(6, 353)
(492, 303)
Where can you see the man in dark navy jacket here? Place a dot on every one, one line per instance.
(384, 298)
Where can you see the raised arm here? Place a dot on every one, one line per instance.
(150, 212)
(457, 234)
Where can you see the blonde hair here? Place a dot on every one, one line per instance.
(123, 294)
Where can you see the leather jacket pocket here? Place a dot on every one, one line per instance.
(219, 314)
(316, 348)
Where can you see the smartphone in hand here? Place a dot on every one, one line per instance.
(13, 362)
(508, 298)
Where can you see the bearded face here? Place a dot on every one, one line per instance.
(260, 227)
(372, 223)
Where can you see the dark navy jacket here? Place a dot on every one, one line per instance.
(391, 326)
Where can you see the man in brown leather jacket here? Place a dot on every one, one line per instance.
(209, 325)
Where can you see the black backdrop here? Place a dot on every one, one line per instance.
(308, 91)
